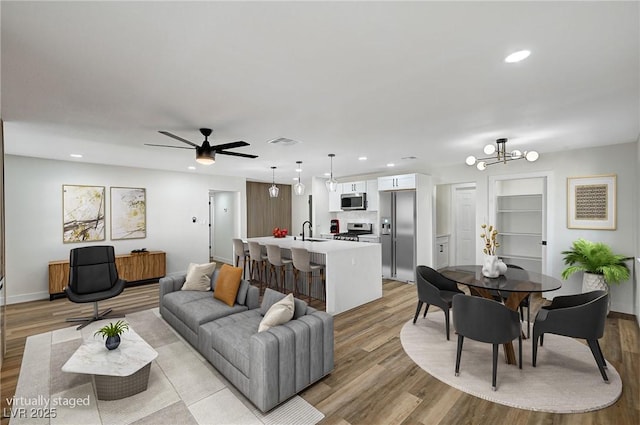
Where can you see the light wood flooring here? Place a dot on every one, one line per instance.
(374, 381)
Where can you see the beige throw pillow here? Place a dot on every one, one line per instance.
(279, 313)
(199, 277)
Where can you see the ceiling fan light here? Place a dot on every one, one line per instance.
(489, 149)
(470, 160)
(205, 157)
(532, 156)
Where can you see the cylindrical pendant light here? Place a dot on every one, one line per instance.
(332, 184)
(298, 188)
(273, 190)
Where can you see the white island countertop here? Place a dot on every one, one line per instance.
(353, 269)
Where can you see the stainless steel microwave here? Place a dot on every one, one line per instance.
(353, 201)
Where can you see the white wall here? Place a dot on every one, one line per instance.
(620, 159)
(34, 216)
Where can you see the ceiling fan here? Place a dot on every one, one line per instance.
(205, 153)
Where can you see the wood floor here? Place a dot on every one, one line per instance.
(374, 381)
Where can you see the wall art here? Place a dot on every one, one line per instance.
(83, 213)
(591, 202)
(128, 213)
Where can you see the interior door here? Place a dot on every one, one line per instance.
(464, 225)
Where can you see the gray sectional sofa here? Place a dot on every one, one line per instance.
(267, 367)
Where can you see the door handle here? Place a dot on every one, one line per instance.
(441, 248)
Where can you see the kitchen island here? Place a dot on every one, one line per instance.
(353, 270)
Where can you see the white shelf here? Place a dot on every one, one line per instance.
(519, 234)
(520, 257)
(520, 211)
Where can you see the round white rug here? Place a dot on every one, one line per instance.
(565, 380)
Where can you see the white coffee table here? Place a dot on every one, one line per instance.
(117, 373)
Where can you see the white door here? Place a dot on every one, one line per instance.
(464, 225)
(222, 226)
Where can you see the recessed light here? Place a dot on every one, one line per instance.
(191, 167)
(391, 164)
(75, 155)
(517, 56)
(362, 158)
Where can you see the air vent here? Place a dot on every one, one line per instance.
(282, 141)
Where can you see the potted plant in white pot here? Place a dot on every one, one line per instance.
(600, 265)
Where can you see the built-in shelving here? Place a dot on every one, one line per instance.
(519, 221)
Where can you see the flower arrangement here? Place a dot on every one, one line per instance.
(489, 237)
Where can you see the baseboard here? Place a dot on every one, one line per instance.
(34, 296)
(223, 260)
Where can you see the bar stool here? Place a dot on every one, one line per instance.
(274, 257)
(302, 263)
(240, 251)
(257, 259)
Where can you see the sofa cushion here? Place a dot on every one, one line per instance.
(198, 277)
(279, 313)
(204, 310)
(233, 342)
(227, 284)
(271, 297)
(242, 292)
(173, 300)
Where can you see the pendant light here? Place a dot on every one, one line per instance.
(298, 188)
(273, 190)
(332, 184)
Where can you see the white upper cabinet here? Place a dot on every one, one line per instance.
(334, 199)
(405, 181)
(372, 195)
(354, 187)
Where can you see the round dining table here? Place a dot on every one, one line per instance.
(515, 285)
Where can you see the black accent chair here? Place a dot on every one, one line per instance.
(485, 320)
(434, 289)
(577, 316)
(93, 277)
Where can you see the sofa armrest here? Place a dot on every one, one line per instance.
(170, 283)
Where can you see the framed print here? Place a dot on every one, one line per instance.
(128, 213)
(591, 202)
(83, 213)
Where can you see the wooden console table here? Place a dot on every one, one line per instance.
(134, 268)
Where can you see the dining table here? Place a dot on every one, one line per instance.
(513, 286)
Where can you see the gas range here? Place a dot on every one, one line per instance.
(353, 231)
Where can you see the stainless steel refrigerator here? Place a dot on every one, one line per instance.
(398, 234)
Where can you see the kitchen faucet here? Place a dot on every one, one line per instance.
(303, 228)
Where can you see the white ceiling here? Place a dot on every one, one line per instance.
(386, 80)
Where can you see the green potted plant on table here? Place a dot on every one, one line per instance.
(112, 332)
(599, 264)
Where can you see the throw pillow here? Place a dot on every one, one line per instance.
(198, 277)
(279, 313)
(227, 284)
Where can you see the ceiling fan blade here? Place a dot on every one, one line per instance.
(231, 145)
(167, 146)
(166, 133)
(244, 155)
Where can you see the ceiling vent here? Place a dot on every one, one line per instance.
(282, 141)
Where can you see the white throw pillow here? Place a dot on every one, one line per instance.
(279, 313)
(199, 277)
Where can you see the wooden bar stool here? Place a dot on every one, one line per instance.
(240, 251)
(302, 263)
(257, 263)
(274, 257)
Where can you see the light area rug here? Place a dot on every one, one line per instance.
(183, 386)
(565, 380)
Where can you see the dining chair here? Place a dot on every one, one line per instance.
(525, 301)
(577, 316)
(485, 320)
(240, 251)
(434, 289)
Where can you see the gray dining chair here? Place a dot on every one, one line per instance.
(577, 316)
(434, 289)
(485, 320)
(526, 302)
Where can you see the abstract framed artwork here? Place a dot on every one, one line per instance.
(83, 213)
(128, 213)
(591, 202)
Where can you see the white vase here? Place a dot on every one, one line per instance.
(502, 267)
(490, 266)
(595, 282)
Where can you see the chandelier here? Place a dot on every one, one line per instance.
(298, 188)
(500, 155)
